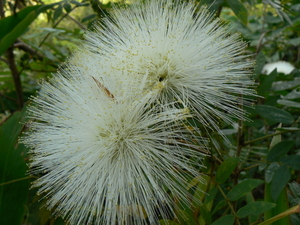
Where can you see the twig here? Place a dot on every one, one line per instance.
(16, 180)
(76, 21)
(26, 48)
(295, 209)
(267, 136)
(2, 14)
(16, 76)
(45, 38)
(2, 59)
(56, 24)
(10, 98)
(240, 141)
(259, 44)
(250, 167)
(230, 205)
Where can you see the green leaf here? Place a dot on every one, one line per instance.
(78, 3)
(254, 208)
(274, 114)
(14, 186)
(283, 85)
(279, 181)
(279, 150)
(272, 168)
(57, 12)
(287, 129)
(89, 17)
(266, 82)
(225, 169)
(205, 213)
(18, 30)
(292, 161)
(250, 199)
(8, 24)
(219, 206)
(260, 62)
(67, 7)
(211, 195)
(243, 188)
(282, 204)
(288, 103)
(186, 217)
(15, 25)
(239, 10)
(224, 220)
(276, 139)
(292, 95)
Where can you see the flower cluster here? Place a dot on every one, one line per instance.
(110, 132)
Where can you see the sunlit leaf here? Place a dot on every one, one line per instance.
(15, 25)
(239, 10)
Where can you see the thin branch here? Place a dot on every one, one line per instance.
(15, 6)
(259, 44)
(250, 167)
(26, 48)
(2, 14)
(229, 203)
(56, 24)
(3, 59)
(267, 136)
(16, 180)
(76, 21)
(46, 37)
(219, 11)
(10, 98)
(240, 141)
(43, 71)
(16, 76)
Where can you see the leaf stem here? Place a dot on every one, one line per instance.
(16, 180)
(267, 136)
(250, 167)
(229, 203)
(295, 209)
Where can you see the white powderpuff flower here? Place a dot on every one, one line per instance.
(281, 66)
(177, 48)
(108, 160)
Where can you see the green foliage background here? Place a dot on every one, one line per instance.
(254, 179)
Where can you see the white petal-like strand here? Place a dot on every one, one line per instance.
(109, 132)
(179, 49)
(108, 160)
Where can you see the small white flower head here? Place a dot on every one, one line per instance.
(178, 49)
(108, 160)
(281, 66)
